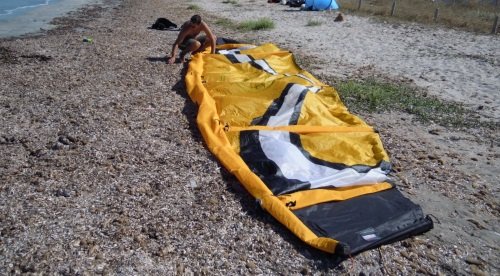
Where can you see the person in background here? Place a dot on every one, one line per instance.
(187, 39)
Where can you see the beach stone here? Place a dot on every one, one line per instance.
(440, 273)
(476, 271)
(473, 261)
(251, 265)
(180, 269)
(434, 131)
(213, 201)
(64, 140)
(192, 183)
(62, 192)
(57, 146)
(432, 157)
(76, 243)
(305, 271)
(100, 267)
(424, 271)
(433, 257)
(478, 224)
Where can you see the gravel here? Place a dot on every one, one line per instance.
(105, 172)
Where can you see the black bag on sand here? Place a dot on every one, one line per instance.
(163, 24)
(224, 40)
(296, 3)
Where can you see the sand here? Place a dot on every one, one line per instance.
(105, 172)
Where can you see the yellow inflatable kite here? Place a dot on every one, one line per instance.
(294, 146)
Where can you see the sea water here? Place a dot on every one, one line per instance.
(19, 17)
(10, 8)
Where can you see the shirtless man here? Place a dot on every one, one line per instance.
(186, 40)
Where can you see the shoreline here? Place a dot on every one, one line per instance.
(104, 170)
(38, 20)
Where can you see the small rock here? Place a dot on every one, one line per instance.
(161, 252)
(477, 224)
(339, 18)
(71, 139)
(406, 255)
(423, 271)
(61, 192)
(192, 183)
(406, 244)
(439, 273)
(57, 146)
(478, 272)
(76, 243)
(251, 265)
(305, 271)
(433, 257)
(213, 201)
(180, 269)
(63, 140)
(474, 261)
(432, 157)
(100, 267)
(434, 132)
(36, 153)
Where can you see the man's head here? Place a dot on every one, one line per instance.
(195, 19)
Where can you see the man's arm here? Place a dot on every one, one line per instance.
(175, 46)
(210, 36)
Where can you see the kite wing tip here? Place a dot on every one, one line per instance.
(343, 249)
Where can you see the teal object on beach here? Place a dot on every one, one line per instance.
(320, 5)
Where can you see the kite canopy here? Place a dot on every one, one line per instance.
(288, 138)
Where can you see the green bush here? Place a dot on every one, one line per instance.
(376, 96)
(254, 25)
(194, 7)
(312, 23)
(227, 23)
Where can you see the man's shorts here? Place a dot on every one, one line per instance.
(189, 41)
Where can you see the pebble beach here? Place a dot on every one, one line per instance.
(104, 171)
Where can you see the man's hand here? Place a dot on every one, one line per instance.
(171, 60)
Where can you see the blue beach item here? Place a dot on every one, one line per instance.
(320, 5)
